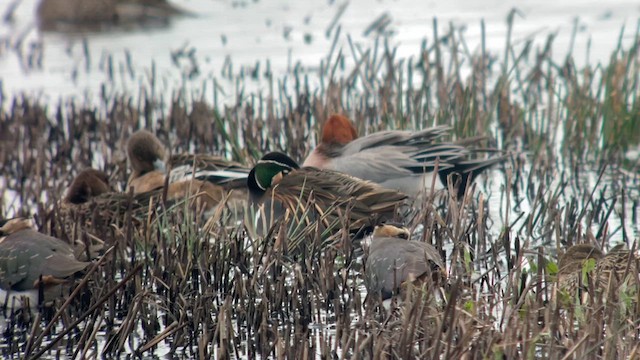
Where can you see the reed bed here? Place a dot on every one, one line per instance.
(173, 282)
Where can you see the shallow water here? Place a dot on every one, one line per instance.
(285, 33)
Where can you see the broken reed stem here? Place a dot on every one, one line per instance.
(81, 318)
(66, 304)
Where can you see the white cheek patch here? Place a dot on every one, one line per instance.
(159, 165)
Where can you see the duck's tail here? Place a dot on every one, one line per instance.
(464, 172)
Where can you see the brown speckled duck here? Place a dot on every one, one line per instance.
(606, 271)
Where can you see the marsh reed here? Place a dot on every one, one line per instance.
(200, 288)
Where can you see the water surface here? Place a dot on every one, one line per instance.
(245, 33)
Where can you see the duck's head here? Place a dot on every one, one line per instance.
(145, 152)
(87, 184)
(268, 171)
(338, 129)
(391, 230)
(10, 226)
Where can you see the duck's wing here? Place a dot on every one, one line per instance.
(24, 256)
(206, 167)
(111, 208)
(446, 155)
(415, 151)
(12, 270)
(341, 194)
(385, 267)
(379, 264)
(398, 261)
(370, 198)
(389, 155)
(427, 259)
(60, 266)
(394, 138)
(379, 164)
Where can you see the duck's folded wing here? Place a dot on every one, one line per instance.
(61, 266)
(395, 138)
(206, 168)
(428, 256)
(378, 164)
(11, 272)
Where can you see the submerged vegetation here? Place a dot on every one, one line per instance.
(172, 281)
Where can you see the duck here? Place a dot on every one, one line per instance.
(146, 156)
(586, 267)
(281, 188)
(397, 159)
(89, 216)
(394, 261)
(87, 184)
(30, 259)
(575, 256)
(90, 203)
(58, 14)
(91, 189)
(90, 197)
(209, 178)
(620, 264)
